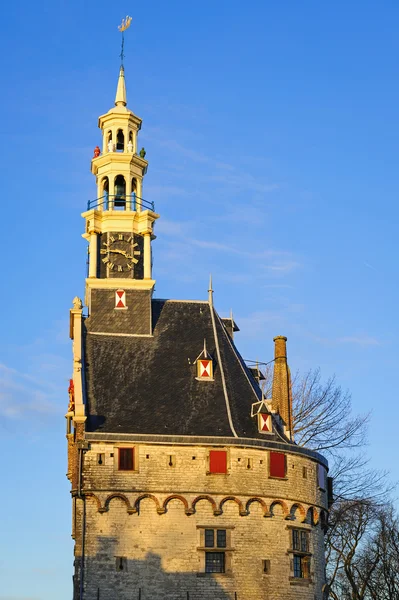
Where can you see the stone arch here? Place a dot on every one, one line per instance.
(296, 506)
(160, 510)
(263, 504)
(175, 497)
(91, 496)
(121, 497)
(216, 511)
(242, 511)
(323, 519)
(312, 516)
(283, 505)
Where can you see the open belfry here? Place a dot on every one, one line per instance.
(186, 480)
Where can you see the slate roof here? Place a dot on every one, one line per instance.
(148, 385)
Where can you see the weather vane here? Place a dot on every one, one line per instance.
(122, 28)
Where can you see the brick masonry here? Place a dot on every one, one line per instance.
(133, 520)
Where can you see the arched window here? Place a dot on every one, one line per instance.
(134, 193)
(120, 141)
(120, 192)
(104, 193)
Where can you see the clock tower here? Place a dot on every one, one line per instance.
(185, 479)
(119, 226)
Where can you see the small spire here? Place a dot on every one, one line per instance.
(120, 98)
(210, 291)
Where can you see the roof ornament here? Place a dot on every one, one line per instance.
(122, 28)
(77, 303)
(210, 291)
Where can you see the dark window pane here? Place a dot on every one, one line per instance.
(209, 538)
(304, 541)
(297, 566)
(126, 459)
(295, 539)
(214, 562)
(221, 538)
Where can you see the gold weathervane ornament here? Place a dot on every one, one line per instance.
(122, 27)
(125, 23)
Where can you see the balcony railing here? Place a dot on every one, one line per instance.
(121, 202)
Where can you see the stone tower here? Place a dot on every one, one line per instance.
(186, 481)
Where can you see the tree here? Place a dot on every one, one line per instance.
(323, 420)
(363, 552)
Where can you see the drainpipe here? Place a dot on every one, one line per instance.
(82, 497)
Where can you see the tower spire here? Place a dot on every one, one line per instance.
(120, 98)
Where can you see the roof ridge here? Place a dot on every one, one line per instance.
(226, 396)
(238, 357)
(175, 300)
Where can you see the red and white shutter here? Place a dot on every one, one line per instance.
(264, 423)
(120, 299)
(204, 368)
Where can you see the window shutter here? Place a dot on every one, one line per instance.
(218, 461)
(126, 459)
(277, 464)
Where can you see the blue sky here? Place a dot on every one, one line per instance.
(272, 134)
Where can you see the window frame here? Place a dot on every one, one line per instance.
(116, 452)
(301, 555)
(221, 544)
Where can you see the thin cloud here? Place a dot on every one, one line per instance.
(23, 394)
(366, 264)
(364, 340)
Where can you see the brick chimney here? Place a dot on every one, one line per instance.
(281, 391)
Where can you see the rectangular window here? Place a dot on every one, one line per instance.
(221, 538)
(209, 538)
(298, 566)
(295, 539)
(277, 464)
(304, 542)
(214, 562)
(301, 558)
(215, 540)
(301, 566)
(300, 540)
(126, 459)
(218, 461)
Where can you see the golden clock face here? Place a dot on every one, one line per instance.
(120, 252)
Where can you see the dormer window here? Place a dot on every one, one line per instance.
(204, 368)
(204, 364)
(265, 423)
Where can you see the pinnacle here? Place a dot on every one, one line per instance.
(120, 98)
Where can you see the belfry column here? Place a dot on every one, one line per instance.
(147, 255)
(93, 249)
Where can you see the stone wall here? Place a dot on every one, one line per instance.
(144, 528)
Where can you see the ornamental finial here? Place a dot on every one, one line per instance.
(210, 291)
(77, 303)
(122, 28)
